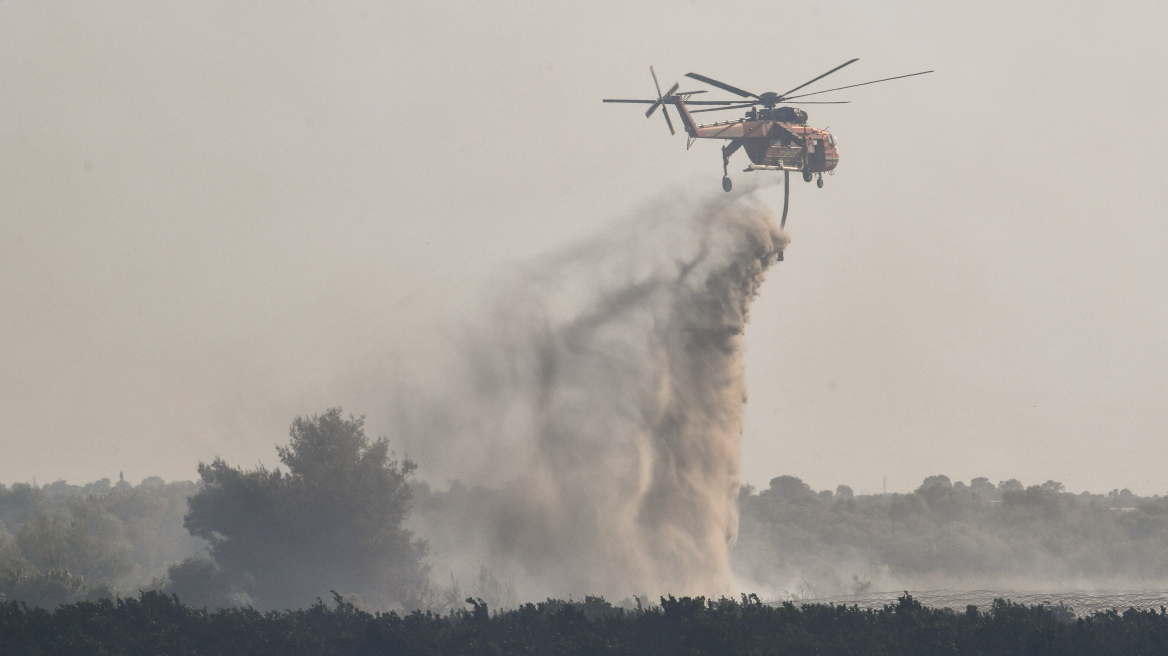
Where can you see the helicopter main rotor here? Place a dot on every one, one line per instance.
(769, 99)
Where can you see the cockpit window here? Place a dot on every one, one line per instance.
(830, 139)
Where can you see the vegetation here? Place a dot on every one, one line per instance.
(219, 557)
(813, 544)
(335, 521)
(61, 543)
(332, 521)
(156, 624)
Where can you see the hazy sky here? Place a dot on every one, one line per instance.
(217, 216)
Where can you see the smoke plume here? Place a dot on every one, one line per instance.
(594, 429)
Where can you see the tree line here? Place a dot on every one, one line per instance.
(800, 543)
(61, 543)
(332, 517)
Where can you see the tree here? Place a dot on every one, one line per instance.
(332, 522)
(790, 488)
(1011, 485)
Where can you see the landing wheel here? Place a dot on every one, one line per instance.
(726, 184)
(806, 175)
(819, 182)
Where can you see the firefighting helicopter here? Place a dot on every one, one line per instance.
(775, 138)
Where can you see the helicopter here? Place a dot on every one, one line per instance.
(775, 137)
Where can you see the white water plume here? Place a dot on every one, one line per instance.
(593, 416)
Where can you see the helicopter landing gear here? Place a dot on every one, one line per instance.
(806, 175)
(726, 184)
(819, 181)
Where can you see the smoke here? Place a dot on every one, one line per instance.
(592, 415)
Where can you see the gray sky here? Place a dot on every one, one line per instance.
(216, 216)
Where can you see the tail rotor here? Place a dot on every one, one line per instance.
(661, 100)
(664, 99)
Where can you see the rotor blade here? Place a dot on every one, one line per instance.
(690, 93)
(721, 85)
(654, 74)
(804, 95)
(718, 109)
(820, 77)
(665, 113)
(672, 89)
(820, 102)
(717, 102)
(653, 108)
(688, 102)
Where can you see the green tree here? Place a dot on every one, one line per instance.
(333, 521)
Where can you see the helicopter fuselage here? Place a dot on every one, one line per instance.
(770, 144)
